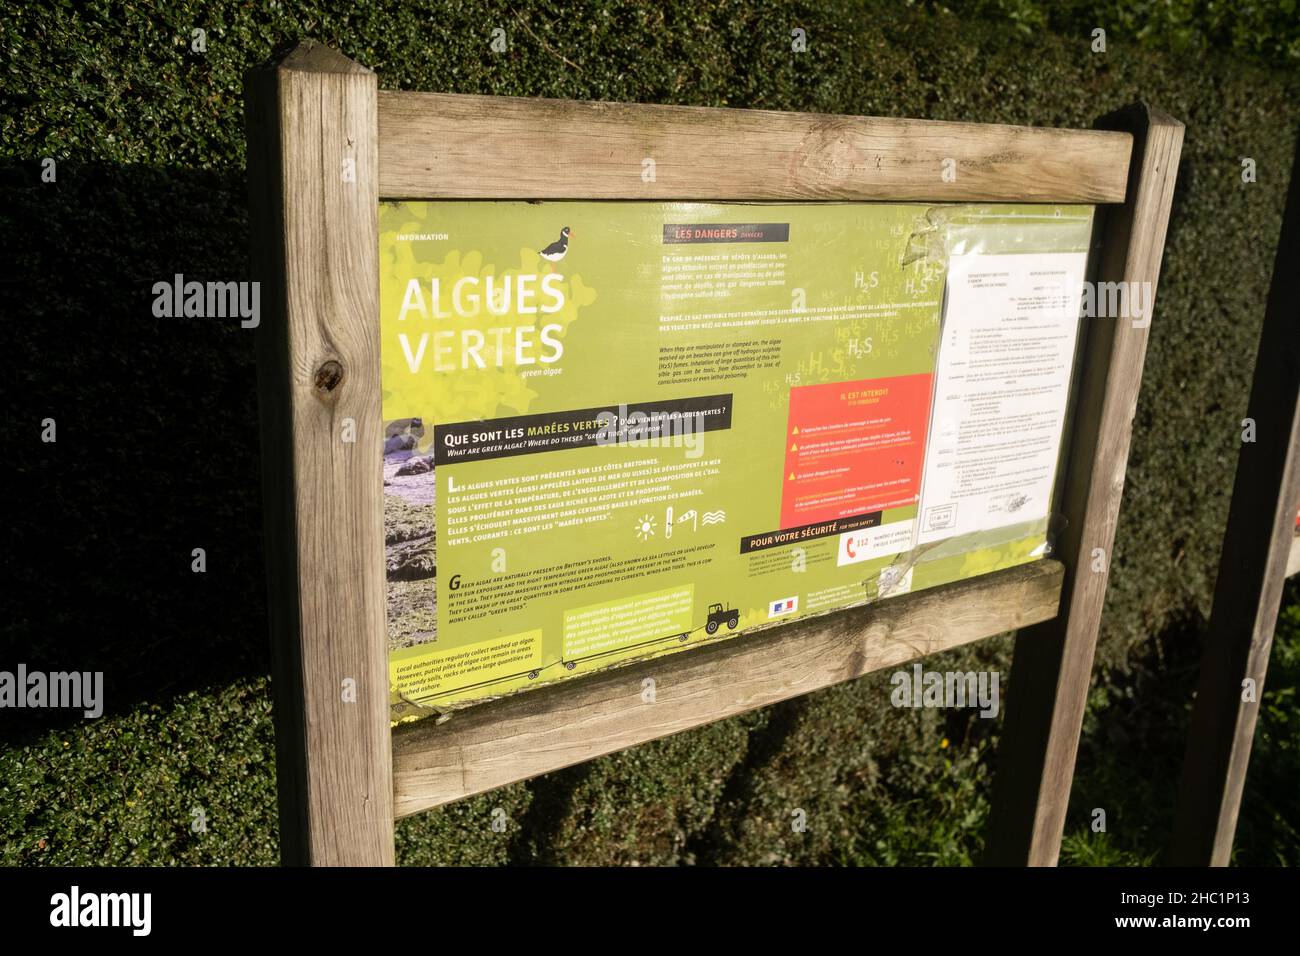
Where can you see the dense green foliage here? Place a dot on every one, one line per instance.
(158, 440)
(1268, 30)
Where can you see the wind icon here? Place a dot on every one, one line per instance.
(691, 516)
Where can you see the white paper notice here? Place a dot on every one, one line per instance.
(1001, 388)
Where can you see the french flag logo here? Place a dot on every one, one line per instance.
(784, 606)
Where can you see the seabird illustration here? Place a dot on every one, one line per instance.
(558, 249)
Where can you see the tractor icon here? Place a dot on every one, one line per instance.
(718, 617)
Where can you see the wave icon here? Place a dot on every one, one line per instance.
(715, 517)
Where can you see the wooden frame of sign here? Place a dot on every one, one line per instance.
(1260, 550)
(325, 145)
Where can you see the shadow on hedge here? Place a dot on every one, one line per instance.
(156, 425)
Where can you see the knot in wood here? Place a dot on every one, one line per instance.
(329, 376)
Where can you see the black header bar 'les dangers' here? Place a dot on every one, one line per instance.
(726, 232)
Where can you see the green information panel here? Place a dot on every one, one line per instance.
(617, 430)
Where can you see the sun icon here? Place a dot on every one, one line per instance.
(645, 528)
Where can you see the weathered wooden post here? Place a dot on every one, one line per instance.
(313, 169)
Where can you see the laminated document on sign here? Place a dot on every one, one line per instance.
(1002, 384)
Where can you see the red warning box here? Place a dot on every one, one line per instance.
(852, 448)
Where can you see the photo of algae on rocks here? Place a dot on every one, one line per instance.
(410, 534)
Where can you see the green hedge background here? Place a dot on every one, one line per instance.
(158, 424)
